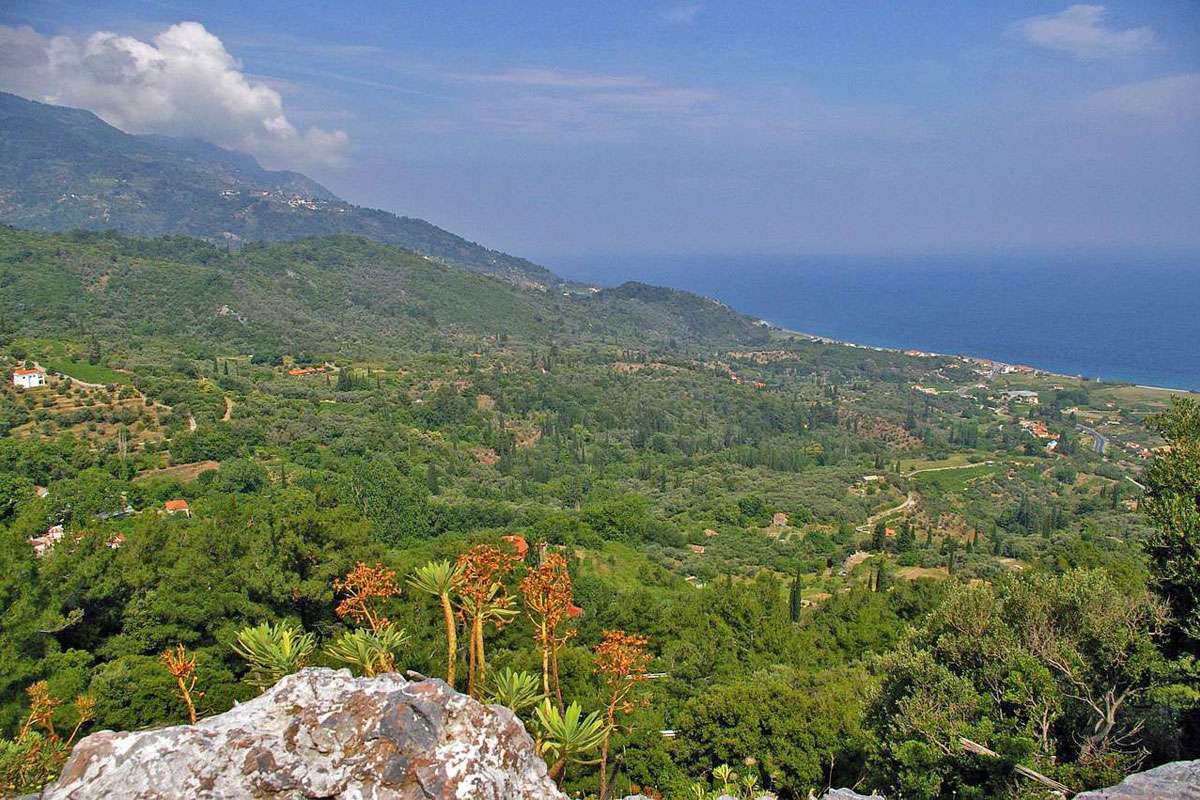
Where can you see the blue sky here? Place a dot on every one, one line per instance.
(548, 128)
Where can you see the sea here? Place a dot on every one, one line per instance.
(1133, 319)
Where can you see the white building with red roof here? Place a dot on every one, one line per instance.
(28, 378)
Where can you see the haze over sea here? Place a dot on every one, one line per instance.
(1134, 319)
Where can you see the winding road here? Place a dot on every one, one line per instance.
(1099, 442)
(887, 512)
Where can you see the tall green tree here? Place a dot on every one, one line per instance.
(1172, 502)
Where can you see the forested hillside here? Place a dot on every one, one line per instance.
(752, 560)
(321, 295)
(65, 169)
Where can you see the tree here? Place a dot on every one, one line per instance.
(396, 506)
(549, 603)
(1172, 503)
(879, 537)
(819, 741)
(1042, 668)
(440, 579)
(795, 598)
(621, 662)
(483, 600)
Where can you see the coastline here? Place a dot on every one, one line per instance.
(1003, 365)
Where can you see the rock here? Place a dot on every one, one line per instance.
(321, 734)
(1179, 780)
(848, 794)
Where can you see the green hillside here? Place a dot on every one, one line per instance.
(329, 294)
(65, 169)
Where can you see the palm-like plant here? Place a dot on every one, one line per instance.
(273, 651)
(726, 776)
(515, 690)
(494, 610)
(750, 785)
(565, 737)
(439, 578)
(369, 652)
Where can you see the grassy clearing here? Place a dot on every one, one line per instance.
(953, 479)
(83, 371)
(956, 460)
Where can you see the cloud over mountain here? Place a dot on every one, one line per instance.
(183, 82)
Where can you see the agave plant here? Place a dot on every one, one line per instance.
(750, 785)
(439, 579)
(367, 652)
(566, 737)
(515, 690)
(726, 775)
(273, 651)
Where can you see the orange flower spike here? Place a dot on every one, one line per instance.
(622, 660)
(364, 588)
(481, 572)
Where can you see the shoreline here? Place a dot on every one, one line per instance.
(1020, 368)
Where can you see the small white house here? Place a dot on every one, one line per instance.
(28, 378)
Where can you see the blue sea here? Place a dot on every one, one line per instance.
(1130, 319)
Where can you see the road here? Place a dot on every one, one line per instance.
(1099, 442)
(887, 512)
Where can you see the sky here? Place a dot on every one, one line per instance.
(553, 129)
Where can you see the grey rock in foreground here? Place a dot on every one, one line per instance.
(1179, 780)
(321, 734)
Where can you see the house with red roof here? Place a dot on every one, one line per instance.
(28, 378)
(177, 507)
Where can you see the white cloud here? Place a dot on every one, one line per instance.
(1080, 31)
(682, 14)
(1174, 97)
(183, 83)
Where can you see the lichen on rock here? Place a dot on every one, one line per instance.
(321, 734)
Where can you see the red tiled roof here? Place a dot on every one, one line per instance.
(176, 505)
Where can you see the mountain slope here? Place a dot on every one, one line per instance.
(64, 169)
(331, 294)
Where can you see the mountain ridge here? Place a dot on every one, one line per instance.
(66, 169)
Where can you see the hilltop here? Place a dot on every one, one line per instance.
(66, 169)
(330, 294)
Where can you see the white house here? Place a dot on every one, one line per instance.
(29, 378)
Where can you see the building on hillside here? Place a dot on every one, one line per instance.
(28, 378)
(1038, 429)
(698, 549)
(125, 511)
(710, 533)
(517, 542)
(1022, 395)
(42, 544)
(177, 507)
